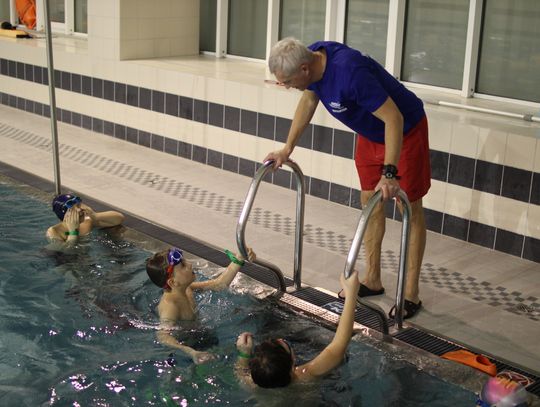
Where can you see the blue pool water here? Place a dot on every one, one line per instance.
(78, 329)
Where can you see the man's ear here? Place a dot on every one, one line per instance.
(170, 282)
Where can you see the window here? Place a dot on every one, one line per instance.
(303, 20)
(367, 27)
(67, 16)
(57, 11)
(81, 16)
(435, 39)
(207, 25)
(509, 60)
(5, 13)
(247, 28)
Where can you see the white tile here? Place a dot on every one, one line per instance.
(268, 100)
(214, 138)
(536, 167)
(249, 97)
(303, 157)
(464, 140)
(286, 103)
(215, 90)
(483, 207)
(492, 145)
(161, 48)
(520, 151)
(200, 88)
(511, 215)
(436, 197)
(458, 201)
(129, 29)
(342, 172)
(232, 94)
(440, 134)
(231, 142)
(321, 166)
(248, 148)
(185, 84)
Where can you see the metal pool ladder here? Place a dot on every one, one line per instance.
(299, 232)
(357, 242)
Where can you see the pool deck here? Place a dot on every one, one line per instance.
(475, 296)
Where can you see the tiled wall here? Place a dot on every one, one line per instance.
(486, 174)
(136, 29)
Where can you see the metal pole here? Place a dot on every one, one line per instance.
(52, 98)
(359, 236)
(300, 203)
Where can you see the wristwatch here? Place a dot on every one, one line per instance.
(390, 171)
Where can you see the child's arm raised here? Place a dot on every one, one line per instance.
(224, 279)
(333, 354)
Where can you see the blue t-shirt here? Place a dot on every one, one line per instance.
(354, 85)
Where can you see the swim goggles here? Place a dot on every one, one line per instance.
(71, 202)
(174, 257)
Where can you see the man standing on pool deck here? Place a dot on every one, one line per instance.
(392, 149)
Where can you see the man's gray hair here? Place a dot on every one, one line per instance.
(287, 55)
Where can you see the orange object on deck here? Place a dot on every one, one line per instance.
(26, 9)
(479, 362)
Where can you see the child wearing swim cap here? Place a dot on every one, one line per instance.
(78, 219)
(170, 270)
(500, 391)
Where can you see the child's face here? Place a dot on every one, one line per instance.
(183, 273)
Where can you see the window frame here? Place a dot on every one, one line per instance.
(67, 28)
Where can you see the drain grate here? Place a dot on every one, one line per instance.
(439, 346)
(363, 315)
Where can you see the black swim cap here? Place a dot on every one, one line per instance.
(61, 203)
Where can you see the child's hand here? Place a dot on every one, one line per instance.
(71, 219)
(350, 285)
(244, 343)
(202, 357)
(89, 212)
(251, 255)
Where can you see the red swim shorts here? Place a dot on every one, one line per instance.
(414, 167)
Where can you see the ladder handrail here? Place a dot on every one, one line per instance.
(300, 203)
(359, 236)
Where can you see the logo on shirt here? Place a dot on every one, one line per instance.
(337, 108)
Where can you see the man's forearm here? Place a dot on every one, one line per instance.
(302, 116)
(393, 139)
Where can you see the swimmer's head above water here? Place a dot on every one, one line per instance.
(160, 267)
(61, 204)
(272, 363)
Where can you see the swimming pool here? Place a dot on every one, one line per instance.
(78, 329)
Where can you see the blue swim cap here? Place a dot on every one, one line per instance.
(61, 203)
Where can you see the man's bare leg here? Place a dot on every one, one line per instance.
(373, 238)
(417, 245)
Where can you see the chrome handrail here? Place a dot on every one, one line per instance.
(300, 203)
(359, 236)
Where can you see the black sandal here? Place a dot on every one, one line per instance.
(410, 308)
(363, 291)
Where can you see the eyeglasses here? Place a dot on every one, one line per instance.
(71, 202)
(175, 256)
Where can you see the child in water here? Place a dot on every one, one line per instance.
(273, 363)
(78, 219)
(171, 271)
